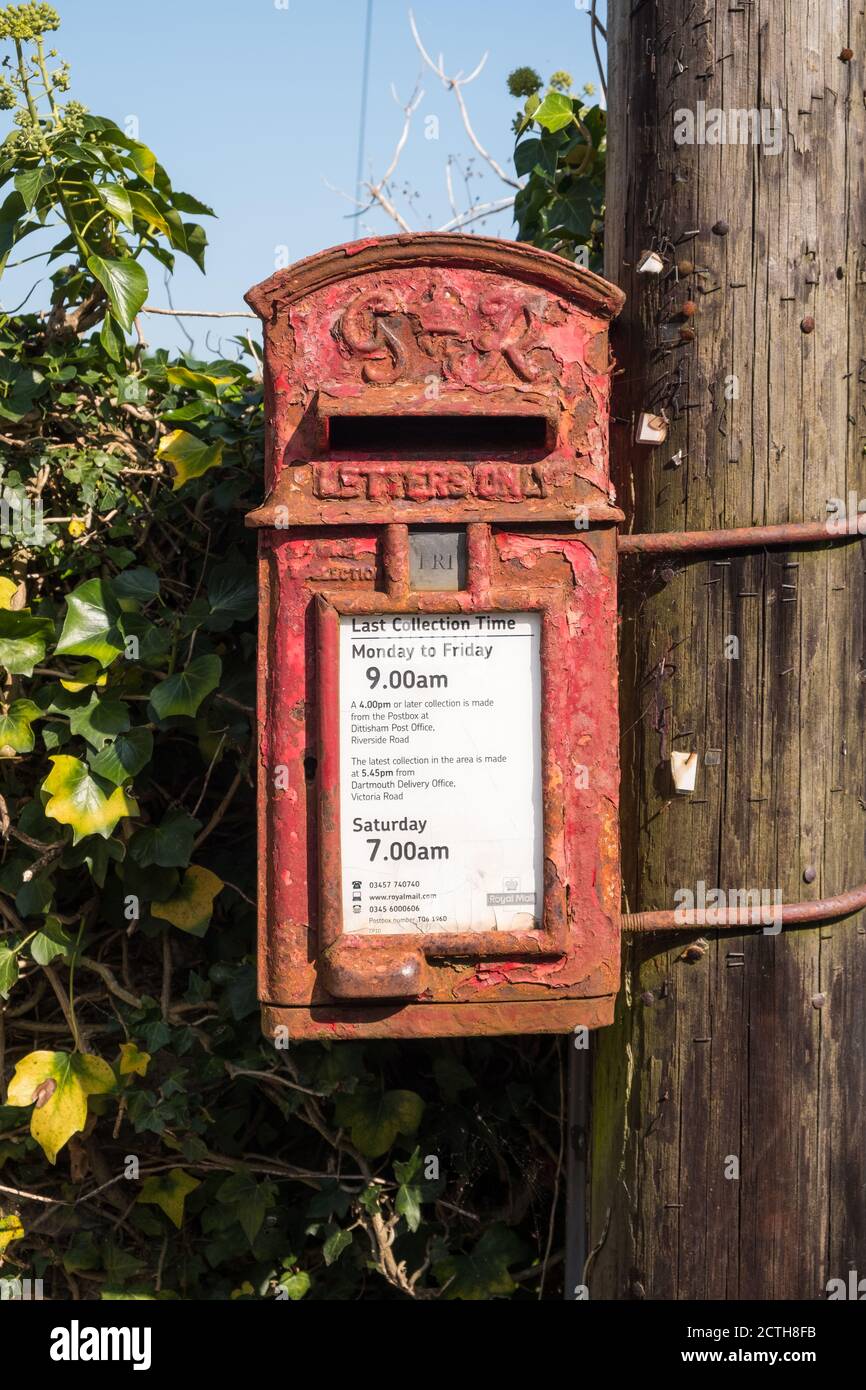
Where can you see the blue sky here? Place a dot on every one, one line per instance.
(252, 105)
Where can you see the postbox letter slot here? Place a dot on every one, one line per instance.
(439, 436)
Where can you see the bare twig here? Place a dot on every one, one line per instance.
(456, 84)
(597, 27)
(198, 313)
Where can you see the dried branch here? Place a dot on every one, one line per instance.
(597, 28)
(456, 84)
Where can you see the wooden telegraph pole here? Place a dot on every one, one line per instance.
(728, 1131)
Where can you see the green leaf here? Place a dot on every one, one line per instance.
(116, 200)
(51, 941)
(167, 845)
(483, 1274)
(233, 596)
(123, 758)
(375, 1118)
(76, 799)
(296, 1284)
(196, 381)
(408, 1204)
(138, 585)
(125, 283)
(169, 1191)
(22, 640)
(189, 456)
(16, 735)
(248, 1200)
(337, 1242)
(91, 628)
(29, 182)
(112, 339)
(555, 112)
(57, 1084)
(145, 208)
(8, 970)
(99, 720)
(190, 907)
(182, 693)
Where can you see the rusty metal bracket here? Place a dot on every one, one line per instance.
(739, 538)
(730, 919)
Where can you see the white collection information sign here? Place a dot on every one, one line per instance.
(440, 772)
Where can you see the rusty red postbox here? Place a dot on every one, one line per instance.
(438, 736)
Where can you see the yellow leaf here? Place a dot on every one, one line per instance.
(133, 1061)
(78, 800)
(89, 673)
(10, 1229)
(191, 905)
(189, 456)
(77, 527)
(8, 590)
(169, 1191)
(57, 1085)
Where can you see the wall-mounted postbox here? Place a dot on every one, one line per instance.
(438, 770)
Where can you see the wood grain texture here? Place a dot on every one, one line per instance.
(756, 1048)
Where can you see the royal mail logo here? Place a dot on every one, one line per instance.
(77, 1343)
(387, 482)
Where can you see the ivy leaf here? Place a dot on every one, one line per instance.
(88, 673)
(8, 970)
(29, 182)
(137, 585)
(59, 1084)
(182, 693)
(78, 800)
(123, 758)
(555, 112)
(233, 596)
(296, 1284)
(125, 283)
(22, 640)
(50, 942)
(408, 1204)
(8, 590)
(112, 338)
(11, 1229)
(375, 1118)
(16, 735)
(99, 720)
(483, 1274)
(91, 628)
(189, 456)
(248, 1201)
(116, 200)
(169, 844)
(169, 1191)
(196, 381)
(191, 906)
(132, 1061)
(333, 1247)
